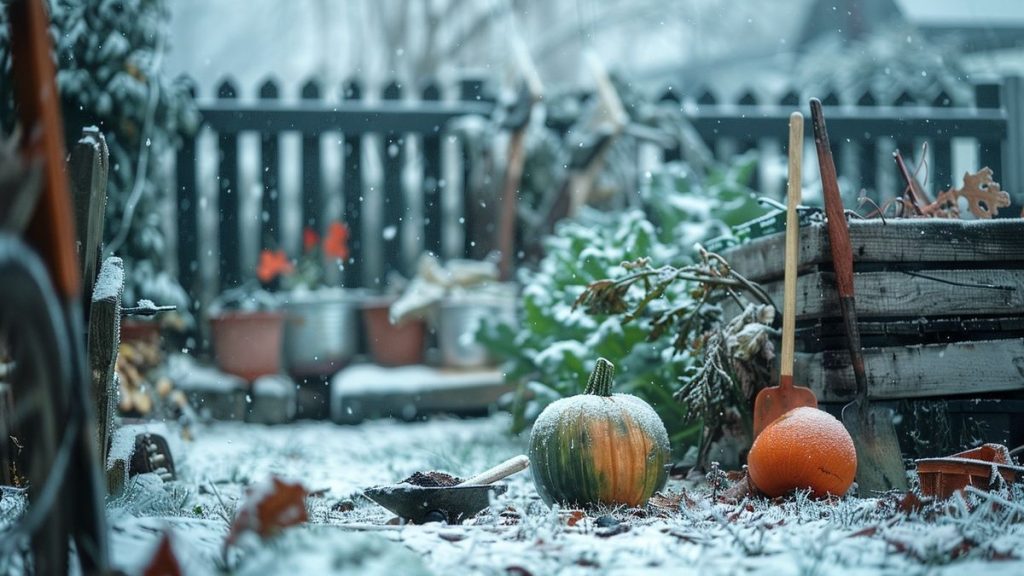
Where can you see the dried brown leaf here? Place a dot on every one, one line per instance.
(269, 508)
(163, 562)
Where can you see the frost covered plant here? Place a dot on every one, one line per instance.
(550, 354)
(109, 56)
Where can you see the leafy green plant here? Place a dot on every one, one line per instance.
(551, 350)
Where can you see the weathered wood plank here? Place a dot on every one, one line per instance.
(896, 241)
(87, 171)
(104, 338)
(917, 371)
(911, 294)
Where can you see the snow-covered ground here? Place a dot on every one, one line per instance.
(684, 534)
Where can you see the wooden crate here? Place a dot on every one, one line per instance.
(940, 305)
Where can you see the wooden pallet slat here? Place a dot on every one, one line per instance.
(895, 372)
(918, 241)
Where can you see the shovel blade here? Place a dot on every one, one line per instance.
(879, 460)
(775, 401)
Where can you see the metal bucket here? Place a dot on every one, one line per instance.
(320, 333)
(457, 324)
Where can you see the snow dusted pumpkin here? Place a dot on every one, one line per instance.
(599, 447)
(804, 449)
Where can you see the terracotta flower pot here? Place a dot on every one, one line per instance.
(392, 344)
(248, 344)
(147, 331)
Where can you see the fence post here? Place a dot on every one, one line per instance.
(867, 162)
(749, 99)
(432, 183)
(1013, 154)
(312, 190)
(352, 155)
(228, 200)
(942, 150)
(470, 90)
(987, 96)
(670, 98)
(394, 195)
(188, 224)
(270, 158)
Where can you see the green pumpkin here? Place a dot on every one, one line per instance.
(599, 447)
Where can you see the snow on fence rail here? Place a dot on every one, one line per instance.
(864, 132)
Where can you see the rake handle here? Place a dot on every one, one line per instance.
(839, 241)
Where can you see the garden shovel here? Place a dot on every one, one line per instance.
(775, 401)
(879, 461)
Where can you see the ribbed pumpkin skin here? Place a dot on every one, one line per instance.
(589, 449)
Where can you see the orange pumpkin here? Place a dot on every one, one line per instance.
(805, 448)
(599, 447)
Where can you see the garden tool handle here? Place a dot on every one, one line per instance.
(839, 240)
(492, 475)
(796, 147)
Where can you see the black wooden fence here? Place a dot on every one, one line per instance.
(351, 118)
(866, 127)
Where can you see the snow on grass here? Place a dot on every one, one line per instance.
(686, 534)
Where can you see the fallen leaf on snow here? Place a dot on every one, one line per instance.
(269, 508)
(163, 562)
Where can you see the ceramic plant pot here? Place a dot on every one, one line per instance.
(248, 343)
(392, 344)
(320, 332)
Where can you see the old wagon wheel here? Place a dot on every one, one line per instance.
(32, 329)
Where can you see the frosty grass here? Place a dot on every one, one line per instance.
(519, 535)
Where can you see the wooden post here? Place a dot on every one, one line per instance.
(88, 173)
(312, 189)
(394, 193)
(470, 90)
(942, 152)
(103, 342)
(270, 159)
(229, 204)
(751, 143)
(187, 217)
(670, 99)
(432, 181)
(354, 200)
(867, 162)
(1012, 179)
(990, 151)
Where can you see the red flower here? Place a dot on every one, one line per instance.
(336, 241)
(309, 239)
(272, 264)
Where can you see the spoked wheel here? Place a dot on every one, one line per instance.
(40, 441)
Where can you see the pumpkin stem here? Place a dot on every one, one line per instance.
(600, 383)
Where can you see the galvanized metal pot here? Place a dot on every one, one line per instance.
(320, 332)
(457, 322)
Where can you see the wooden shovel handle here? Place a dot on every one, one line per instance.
(838, 235)
(796, 147)
(842, 250)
